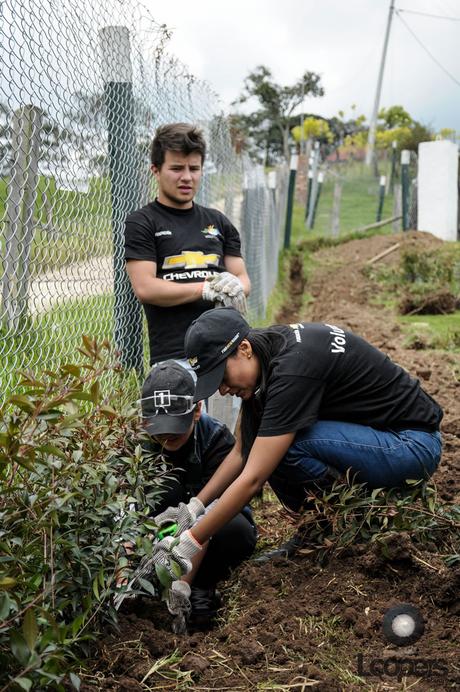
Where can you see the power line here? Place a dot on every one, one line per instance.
(426, 14)
(445, 70)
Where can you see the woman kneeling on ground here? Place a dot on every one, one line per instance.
(316, 401)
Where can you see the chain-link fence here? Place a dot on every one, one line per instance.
(83, 87)
(344, 195)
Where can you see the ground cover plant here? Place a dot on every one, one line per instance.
(75, 486)
(315, 620)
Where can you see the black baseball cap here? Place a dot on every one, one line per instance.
(168, 398)
(209, 341)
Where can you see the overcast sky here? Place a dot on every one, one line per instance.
(342, 40)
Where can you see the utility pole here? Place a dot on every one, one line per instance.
(373, 123)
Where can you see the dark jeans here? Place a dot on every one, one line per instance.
(379, 458)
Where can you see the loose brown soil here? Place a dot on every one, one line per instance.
(293, 624)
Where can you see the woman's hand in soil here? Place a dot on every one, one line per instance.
(175, 554)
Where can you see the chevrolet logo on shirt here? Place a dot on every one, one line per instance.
(190, 259)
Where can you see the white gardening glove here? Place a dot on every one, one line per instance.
(226, 283)
(183, 515)
(178, 600)
(237, 301)
(175, 554)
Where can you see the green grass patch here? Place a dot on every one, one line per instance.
(433, 331)
(48, 340)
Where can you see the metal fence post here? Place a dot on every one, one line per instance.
(309, 186)
(382, 186)
(394, 155)
(405, 184)
(20, 204)
(119, 103)
(290, 200)
(317, 196)
(314, 186)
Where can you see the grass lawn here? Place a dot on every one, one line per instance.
(52, 339)
(437, 331)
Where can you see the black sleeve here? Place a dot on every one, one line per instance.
(140, 238)
(232, 240)
(221, 444)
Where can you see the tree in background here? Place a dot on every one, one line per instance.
(394, 124)
(266, 130)
(313, 128)
(343, 127)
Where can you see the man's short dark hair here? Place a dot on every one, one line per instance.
(183, 137)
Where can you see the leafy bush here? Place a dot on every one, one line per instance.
(72, 472)
(349, 513)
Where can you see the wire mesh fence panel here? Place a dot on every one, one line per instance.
(82, 88)
(353, 196)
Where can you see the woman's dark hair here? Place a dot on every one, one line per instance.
(266, 344)
(183, 137)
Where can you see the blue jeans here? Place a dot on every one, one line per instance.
(379, 458)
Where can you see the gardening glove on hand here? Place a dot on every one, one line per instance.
(175, 554)
(226, 283)
(183, 515)
(178, 600)
(235, 300)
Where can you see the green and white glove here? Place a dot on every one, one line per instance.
(175, 554)
(183, 515)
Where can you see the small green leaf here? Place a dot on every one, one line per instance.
(163, 576)
(75, 680)
(24, 683)
(176, 570)
(6, 604)
(7, 583)
(96, 587)
(147, 586)
(20, 650)
(30, 628)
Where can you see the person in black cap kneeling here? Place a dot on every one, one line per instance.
(317, 402)
(194, 444)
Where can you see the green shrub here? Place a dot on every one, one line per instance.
(72, 472)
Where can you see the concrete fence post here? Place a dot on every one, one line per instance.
(382, 188)
(20, 205)
(405, 188)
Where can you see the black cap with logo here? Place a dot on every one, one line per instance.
(209, 340)
(168, 399)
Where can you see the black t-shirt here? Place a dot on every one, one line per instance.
(187, 245)
(326, 373)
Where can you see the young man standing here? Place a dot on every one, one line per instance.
(181, 257)
(194, 445)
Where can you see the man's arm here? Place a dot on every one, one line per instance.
(149, 289)
(237, 267)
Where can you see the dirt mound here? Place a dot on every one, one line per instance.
(294, 624)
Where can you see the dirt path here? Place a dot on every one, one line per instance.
(295, 624)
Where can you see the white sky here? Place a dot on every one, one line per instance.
(342, 40)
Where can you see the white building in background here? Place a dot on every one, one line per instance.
(437, 189)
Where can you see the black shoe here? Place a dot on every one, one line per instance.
(285, 550)
(205, 604)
